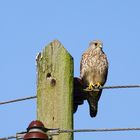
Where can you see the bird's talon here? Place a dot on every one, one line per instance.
(97, 85)
(94, 87)
(90, 87)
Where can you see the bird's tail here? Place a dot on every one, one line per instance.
(93, 98)
(93, 109)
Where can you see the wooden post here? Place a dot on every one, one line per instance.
(55, 89)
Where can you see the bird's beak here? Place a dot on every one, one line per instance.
(100, 46)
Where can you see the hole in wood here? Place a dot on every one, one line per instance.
(48, 75)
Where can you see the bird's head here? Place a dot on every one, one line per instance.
(96, 44)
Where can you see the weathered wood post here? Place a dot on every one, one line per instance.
(55, 88)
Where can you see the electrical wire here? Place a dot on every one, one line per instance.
(125, 86)
(112, 87)
(99, 130)
(17, 100)
(59, 131)
(7, 138)
(104, 87)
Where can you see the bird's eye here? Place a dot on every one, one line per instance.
(95, 44)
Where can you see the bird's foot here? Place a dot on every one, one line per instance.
(97, 85)
(93, 87)
(90, 86)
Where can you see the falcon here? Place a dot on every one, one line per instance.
(93, 73)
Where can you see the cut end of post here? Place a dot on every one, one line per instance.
(55, 43)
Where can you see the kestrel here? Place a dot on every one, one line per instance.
(93, 73)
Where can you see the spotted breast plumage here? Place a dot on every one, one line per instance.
(93, 73)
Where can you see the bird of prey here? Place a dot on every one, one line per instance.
(93, 73)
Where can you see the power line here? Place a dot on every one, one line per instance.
(113, 87)
(59, 131)
(125, 86)
(18, 100)
(99, 130)
(104, 87)
(7, 138)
